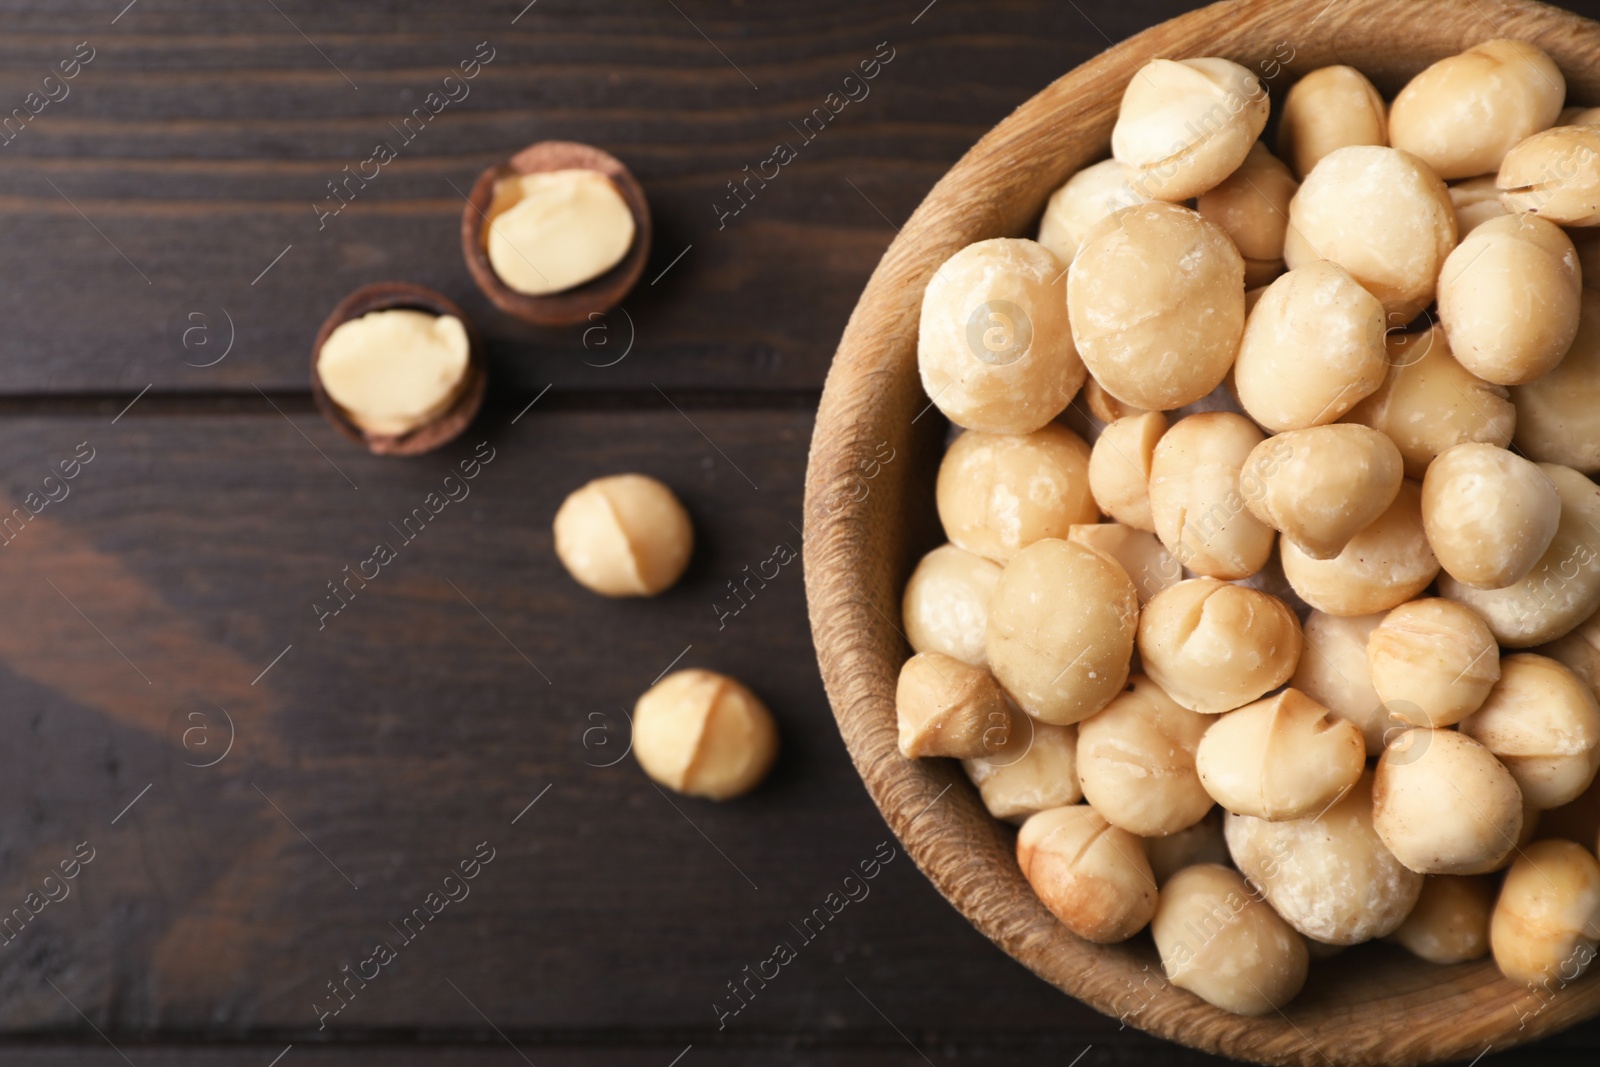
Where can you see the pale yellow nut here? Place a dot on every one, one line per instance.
(994, 348)
(1034, 768)
(1214, 646)
(1542, 722)
(999, 493)
(1102, 405)
(1322, 486)
(1384, 565)
(1464, 113)
(1476, 200)
(1546, 924)
(1252, 207)
(1283, 757)
(1156, 301)
(1556, 175)
(1450, 923)
(1333, 672)
(1119, 468)
(1092, 876)
(1579, 651)
(1136, 761)
(1149, 565)
(703, 734)
(1432, 662)
(946, 606)
(624, 535)
(1489, 514)
(1382, 215)
(1330, 108)
(553, 231)
(393, 371)
(1090, 195)
(1185, 125)
(1201, 843)
(1558, 416)
(1200, 513)
(1443, 804)
(946, 708)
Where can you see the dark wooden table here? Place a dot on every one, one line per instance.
(265, 798)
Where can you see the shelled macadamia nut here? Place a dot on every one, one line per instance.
(1156, 300)
(1508, 299)
(1444, 805)
(1330, 108)
(993, 344)
(1579, 652)
(1201, 843)
(554, 230)
(1150, 566)
(394, 370)
(624, 535)
(1382, 215)
(1321, 486)
(1333, 672)
(1214, 646)
(1555, 175)
(999, 493)
(1558, 416)
(1226, 946)
(1381, 567)
(1095, 192)
(1252, 207)
(1103, 406)
(1092, 876)
(1199, 513)
(1284, 757)
(1429, 402)
(1562, 589)
(1542, 722)
(1136, 761)
(1119, 468)
(1450, 923)
(1185, 125)
(1035, 767)
(946, 606)
(1476, 200)
(946, 708)
(1489, 514)
(1313, 348)
(1546, 924)
(1463, 114)
(1432, 662)
(1328, 874)
(1061, 628)
(703, 734)
(1579, 116)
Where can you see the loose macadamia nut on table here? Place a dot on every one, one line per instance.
(947, 708)
(394, 370)
(1558, 416)
(1476, 200)
(1199, 513)
(1214, 646)
(1542, 722)
(1546, 923)
(1450, 923)
(1489, 514)
(1463, 114)
(1090, 195)
(1252, 207)
(703, 734)
(1224, 945)
(1328, 874)
(1381, 567)
(993, 345)
(1283, 757)
(1330, 108)
(1136, 761)
(1156, 298)
(1201, 843)
(946, 606)
(553, 230)
(1185, 125)
(1508, 299)
(1562, 589)
(1432, 662)
(1150, 566)
(1444, 805)
(1034, 768)
(1382, 215)
(1313, 347)
(1119, 468)
(1429, 402)
(1092, 876)
(1555, 175)
(999, 493)
(1061, 627)
(1321, 486)
(624, 535)
(1333, 672)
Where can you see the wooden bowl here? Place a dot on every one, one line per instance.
(383, 296)
(570, 306)
(868, 519)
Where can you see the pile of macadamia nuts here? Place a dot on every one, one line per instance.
(1332, 562)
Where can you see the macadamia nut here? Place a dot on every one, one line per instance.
(1558, 416)
(1556, 175)
(1333, 672)
(1546, 924)
(1432, 662)
(392, 371)
(946, 708)
(999, 493)
(946, 606)
(554, 230)
(1579, 652)
(1185, 125)
(1034, 768)
(1214, 646)
(703, 734)
(1136, 761)
(1444, 805)
(1199, 513)
(1476, 200)
(1322, 486)
(1381, 567)
(624, 535)
(1094, 193)
(1252, 207)
(1489, 514)
(1150, 566)
(1450, 923)
(1330, 108)
(1542, 722)
(1119, 468)
(1201, 843)
(1283, 757)
(1092, 876)
(1103, 406)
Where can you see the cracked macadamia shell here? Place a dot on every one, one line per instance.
(1095, 192)
(1321, 486)
(1214, 646)
(1541, 721)
(1283, 757)
(1382, 215)
(1333, 672)
(1450, 922)
(946, 606)
(1156, 297)
(1252, 207)
(1200, 514)
(1185, 125)
(1330, 108)
(1558, 415)
(624, 535)
(1226, 946)
(551, 231)
(1444, 805)
(999, 493)
(993, 345)
(1555, 174)
(1432, 662)
(1489, 514)
(1092, 876)
(703, 734)
(1381, 567)
(947, 708)
(1136, 761)
(1546, 923)
(1034, 768)
(1150, 566)
(1119, 468)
